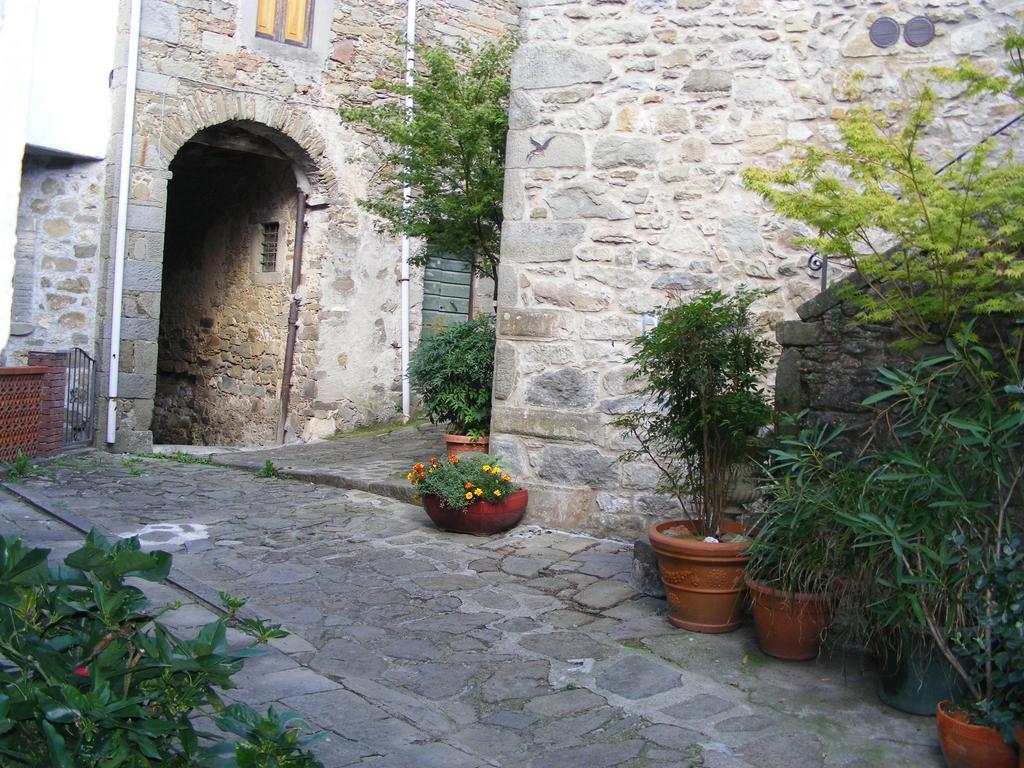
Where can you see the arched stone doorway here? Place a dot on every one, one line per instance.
(228, 253)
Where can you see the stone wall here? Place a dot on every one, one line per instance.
(630, 123)
(200, 66)
(55, 280)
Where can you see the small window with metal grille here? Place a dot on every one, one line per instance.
(268, 256)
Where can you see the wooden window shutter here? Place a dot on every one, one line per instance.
(266, 14)
(296, 14)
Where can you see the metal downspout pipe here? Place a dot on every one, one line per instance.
(121, 237)
(410, 40)
(293, 315)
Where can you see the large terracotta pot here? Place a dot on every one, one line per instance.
(461, 443)
(1018, 736)
(970, 746)
(703, 582)
(790, 626)
(481, 518)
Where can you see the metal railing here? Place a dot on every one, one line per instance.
(79, 399)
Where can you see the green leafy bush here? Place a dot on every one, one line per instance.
(463, 479)
(700, 369)
(453, 371)
(91, 678)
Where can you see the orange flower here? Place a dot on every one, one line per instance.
(453, 458)
(467, 486)
(422, 475)
(418, 466)
(433, 459)
(506, 478)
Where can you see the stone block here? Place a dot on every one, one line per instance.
(787, 382)
(523, 112)
(830, 298)
(532, 242)
(586, 200)
(140, 386)
(685, 281)
(529, 323)
(562, 150)
(644, 575)
(586, 467)
(546, 423)
(504, 370)
(708, 80)
(614, 34)
(561, 508)
(562, 388)
(142, 275)
(160, 21)
(795, 333)
(139, 328)
(545, 65)
(508, 285)
(148, 218)
(672, 120)
(615, 152)
(741, 235)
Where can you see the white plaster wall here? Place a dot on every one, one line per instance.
(69, 108)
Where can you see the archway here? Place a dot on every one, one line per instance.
(228, 248)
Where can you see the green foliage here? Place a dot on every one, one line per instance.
(936, 250)
(945, 490)
(992, 652)
(453, 371)
(800, 544)
(20, 468)
(700, 369)
(463, 479)
(90, 677)
(268, 470)
(452, 153)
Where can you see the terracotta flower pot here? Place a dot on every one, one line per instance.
(970, 746)
(1018, 736)
(790, 626)
(481, 518)
(703, 582)
(461, 443)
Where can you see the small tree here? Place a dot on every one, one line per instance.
(701, 368)
(451, 152)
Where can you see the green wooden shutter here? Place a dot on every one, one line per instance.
(446, 286)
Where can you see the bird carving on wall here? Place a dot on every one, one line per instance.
(538, 148)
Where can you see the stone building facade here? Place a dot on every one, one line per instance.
(229, 126)
(630, 122)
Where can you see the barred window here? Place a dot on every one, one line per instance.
(268, 255)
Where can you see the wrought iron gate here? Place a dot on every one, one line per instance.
(79, 399)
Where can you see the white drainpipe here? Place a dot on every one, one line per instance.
(410, 39)
(127, 137)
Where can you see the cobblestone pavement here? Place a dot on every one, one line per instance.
(414, 647)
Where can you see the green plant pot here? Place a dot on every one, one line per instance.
(917, 677)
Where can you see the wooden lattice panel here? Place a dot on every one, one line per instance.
(19, 410)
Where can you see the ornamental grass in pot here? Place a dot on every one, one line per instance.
(800, 551)
(468, 493)
(700, 372)
(452, 371)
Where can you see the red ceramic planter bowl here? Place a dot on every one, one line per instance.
(481, 518)
(971, 746)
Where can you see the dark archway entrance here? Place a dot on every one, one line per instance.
(225, 291)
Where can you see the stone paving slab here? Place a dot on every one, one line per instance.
(417, 647)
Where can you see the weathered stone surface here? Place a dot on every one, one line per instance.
(795, 333)
(539, 242)
(787, 382)
(741, 236)
(544, 65)
(560, 150)
(563, 388)
(698, 708)
(685, 281)
(528, 323)
(705, 80)
(614, 152)
(542, 422)
(613, 34)
(637, 677)
(644, 575)
(602, 595)
(577, 466)
(585, 200)
(504, 370)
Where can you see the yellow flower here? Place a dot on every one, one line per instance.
(486, 467)
(496, 470)
(497, 492)
(478, 491)
(506, 478)
(469, 495)
(416, 498)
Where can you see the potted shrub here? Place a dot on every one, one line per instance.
(799, 552)
(700, 369)
(469, 493)
(452, 371)
(979, 730)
